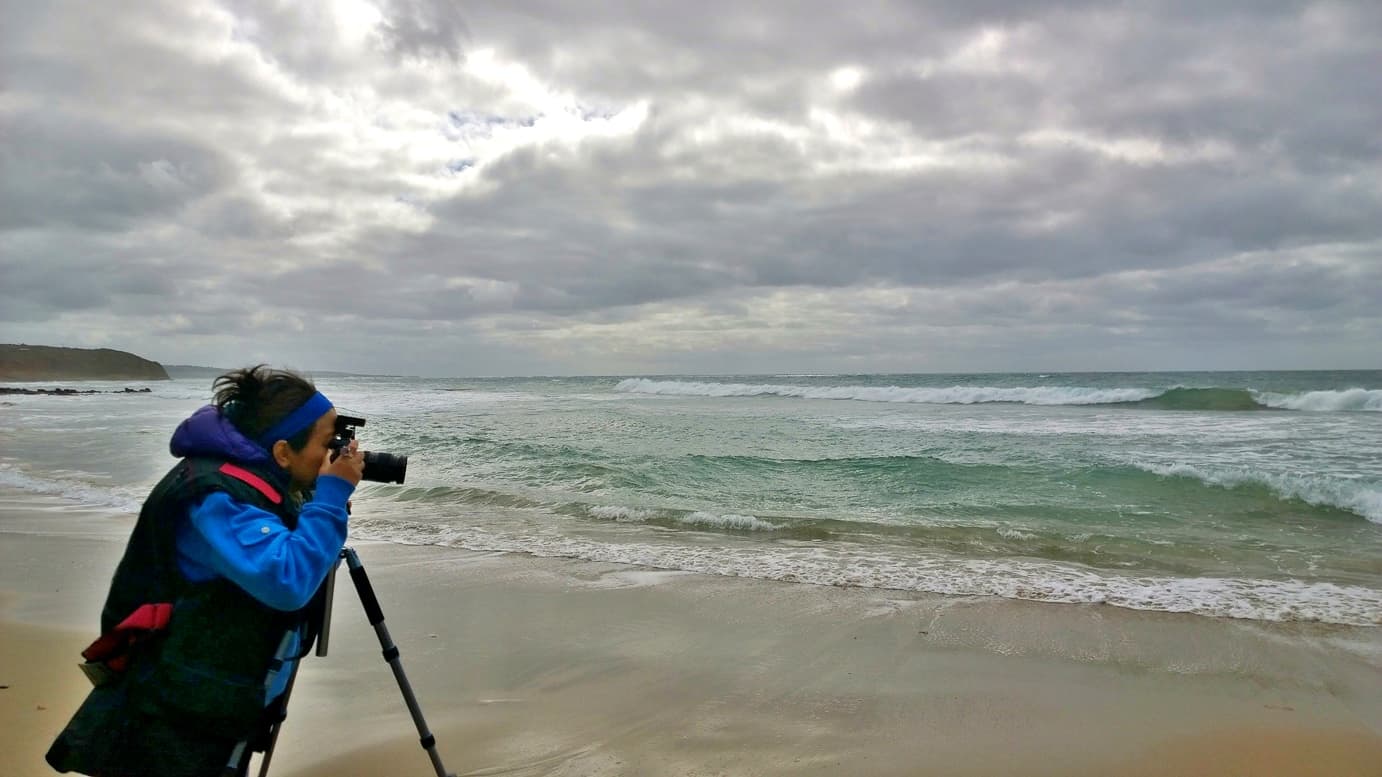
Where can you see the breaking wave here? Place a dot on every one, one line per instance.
(1327, 401)
(1177, 398)
(697, 518)
(1355, 497)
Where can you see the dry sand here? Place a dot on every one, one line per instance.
(528, 666)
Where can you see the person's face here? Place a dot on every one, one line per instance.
(304, 465)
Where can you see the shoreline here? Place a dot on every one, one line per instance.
(548, 666)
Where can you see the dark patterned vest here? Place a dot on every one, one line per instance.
(210, 666)
(173, 700)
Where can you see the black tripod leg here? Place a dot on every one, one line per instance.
(375, 614)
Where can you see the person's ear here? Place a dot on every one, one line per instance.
(280, 451)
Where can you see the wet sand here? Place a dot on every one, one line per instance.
(530, 666)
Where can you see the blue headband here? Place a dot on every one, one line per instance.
(307, 414)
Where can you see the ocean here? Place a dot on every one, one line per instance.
(1239, 495)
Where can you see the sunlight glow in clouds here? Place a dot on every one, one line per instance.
(358, 21)
(1137, 150)
(847, 79)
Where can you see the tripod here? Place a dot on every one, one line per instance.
(239, 758)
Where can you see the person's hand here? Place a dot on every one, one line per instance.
(349, 466)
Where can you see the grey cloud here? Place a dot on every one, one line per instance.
(955, 104)
(1279, 284)
(32, 295)
(935, 230)
(45, 274)
(127, 64)
(295, 36)
(629, 50)
(237, 216)
(192, 182)
(420, 28)
(97, 175)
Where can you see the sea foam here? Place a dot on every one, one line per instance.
(1326, 401)
(89, 494)
(1044, 581)
(698, 518)
(727, 521)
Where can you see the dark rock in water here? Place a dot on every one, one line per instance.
(67, 392)
(42, 362)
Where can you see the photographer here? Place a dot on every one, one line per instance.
(214, 588)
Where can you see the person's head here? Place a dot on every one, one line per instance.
(284, 413)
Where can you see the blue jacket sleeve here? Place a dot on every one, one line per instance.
(254, 549)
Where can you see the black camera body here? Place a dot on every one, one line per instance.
(379, 467)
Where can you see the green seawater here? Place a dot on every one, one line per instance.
(1255, 495)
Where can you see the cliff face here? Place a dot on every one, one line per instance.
(42, 362)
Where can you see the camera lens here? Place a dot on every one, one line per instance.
(385, 467)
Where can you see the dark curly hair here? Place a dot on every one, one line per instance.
(256, 398)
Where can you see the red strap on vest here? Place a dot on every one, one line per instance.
(254, 480)
(113, 647)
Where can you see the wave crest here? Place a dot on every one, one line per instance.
(698, 518)
(1358, 498)
(1355, 399)
(1175, 398)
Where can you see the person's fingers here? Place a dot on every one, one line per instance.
(349, 465)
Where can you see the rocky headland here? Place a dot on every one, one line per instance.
(43, 362)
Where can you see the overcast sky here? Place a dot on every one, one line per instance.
(553, 187)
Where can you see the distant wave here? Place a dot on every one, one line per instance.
(1181, 398)
(1177, 398)
(955, 395)
(1358, 498)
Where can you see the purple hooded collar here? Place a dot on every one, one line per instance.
(208, 433)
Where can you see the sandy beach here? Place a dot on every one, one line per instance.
(533, 666)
